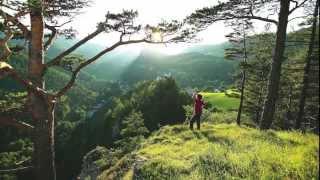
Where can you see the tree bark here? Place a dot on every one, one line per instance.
(305, 85)
(288, 115)
(243, 81)
(241, 97)
(318, 123)
(259, 107)
(274, 78)
(41, 109)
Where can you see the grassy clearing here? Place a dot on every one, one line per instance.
(221, 101)
(228, 152)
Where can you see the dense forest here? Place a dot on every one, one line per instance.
(74, 109)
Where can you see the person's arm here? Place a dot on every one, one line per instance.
(203, 103)
(194, 96)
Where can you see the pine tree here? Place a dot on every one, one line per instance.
(258, 68)
(238, 39)
(45, 17)
(310, 67)
(132, 132)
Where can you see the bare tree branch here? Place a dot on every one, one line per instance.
(57, 59)
(9, 71)
(9, 7)
(60, 25)
(298, 17)
(24, 162)
(297, 5)
(6, 52)
(254, 17)
(51, 37)
(296, 2)
(16, 170)
(8, 121)
(91, 60)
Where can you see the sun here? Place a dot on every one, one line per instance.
(157, 36)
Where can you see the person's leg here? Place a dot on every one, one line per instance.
(192, 121)
(198, 121)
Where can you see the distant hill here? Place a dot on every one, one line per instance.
(194, 66)
(198, 65)
(109, 67)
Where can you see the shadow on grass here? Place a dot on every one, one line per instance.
(196, 134)
(209, 135)
(273, 138)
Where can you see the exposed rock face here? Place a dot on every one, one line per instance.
(103, 163)
(94, 162)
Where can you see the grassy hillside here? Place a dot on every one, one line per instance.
(221, 100)
(223, 152)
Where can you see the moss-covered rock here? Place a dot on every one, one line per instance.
(95, 161)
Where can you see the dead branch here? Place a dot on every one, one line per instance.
(8, 121)
(16, 170)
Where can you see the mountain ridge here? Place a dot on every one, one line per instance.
(130, 64)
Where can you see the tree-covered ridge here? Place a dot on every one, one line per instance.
(195, 66)
(191, 68)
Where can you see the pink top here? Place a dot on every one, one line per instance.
(198, 105)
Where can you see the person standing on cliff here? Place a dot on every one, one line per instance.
(197, 110)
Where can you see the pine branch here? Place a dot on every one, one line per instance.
(93, 59)
(8, 121)
(51, 37)
(16, 170)
(7, 70)
(14, 20)
(297, 5)
(6, 52)
(57, 59)
(254, 17)
(96, 57)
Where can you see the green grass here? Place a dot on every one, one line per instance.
(228, 152)
(221, 101)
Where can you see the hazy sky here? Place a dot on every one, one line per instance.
(151, 12)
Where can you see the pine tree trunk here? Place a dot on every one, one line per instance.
(305, 85)
(259, 105)
(274, 78)
(241, 97)
(44, 142)
(42, 110)
(318, 123)
(243, 81)
(288, 114)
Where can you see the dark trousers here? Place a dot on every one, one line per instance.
(195, 117)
